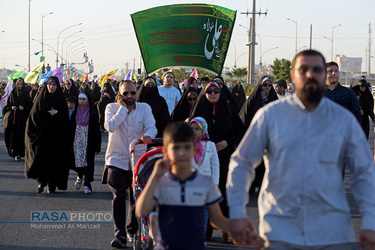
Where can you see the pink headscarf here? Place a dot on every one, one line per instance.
(202, 141)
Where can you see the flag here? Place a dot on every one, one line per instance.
(129, 75)
(16, 75)
(58, 73)
(75, 77)
(184, 35)
(7, 91)
(45, 75)
(32, 76)
(135, 78)
(107, 76)
(87, 78)
(101, 80)
(194, 74)
(83, 78)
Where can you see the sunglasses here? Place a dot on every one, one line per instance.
(191, 98)
(131, 92)
(316, 69)
(210, 91)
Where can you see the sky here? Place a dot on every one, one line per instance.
(109, 39)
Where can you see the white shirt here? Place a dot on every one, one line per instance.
(124, 127)
(302, 199)
(210, 165)
(171, 96)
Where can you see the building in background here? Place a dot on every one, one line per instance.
(349, 64)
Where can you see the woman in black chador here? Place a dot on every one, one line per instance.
(263, 94)
(95, 93)
(225, 129)
(46, 139)
(239, 95)
(15, 114)
(108, 96)
(184, 106)
(148, 93)
(366, 100)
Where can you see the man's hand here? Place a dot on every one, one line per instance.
(119, 100)
(367, 237)
(14, 108)
(146, 139)
(221, 145)
(161, 166)
(243, 233)
(20, 107)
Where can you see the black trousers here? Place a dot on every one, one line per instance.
(120, 181)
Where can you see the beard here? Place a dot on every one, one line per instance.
(312, 93)
(129, 102)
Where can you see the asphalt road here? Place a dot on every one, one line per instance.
(20, 226)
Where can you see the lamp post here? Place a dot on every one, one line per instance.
(334, 27)
(66, 53)
(296, 31)
(72, 49)
(62, 45)
(58, 37)
(43, 16)
(301, 48)
(2, 31)
(75, 51)
(235, 48)
(45, 44)
(21, 66)
(29, 37)
(262, 57)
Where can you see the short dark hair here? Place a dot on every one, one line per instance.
(329, 64)
(178, 132)
(308, 52)
(71, 99)
(205, 79)
(281, 83)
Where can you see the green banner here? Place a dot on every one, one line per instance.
(184, 35)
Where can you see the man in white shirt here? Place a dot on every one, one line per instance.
(280, 87)
(170, 94)
(125, 121)
(302, 201)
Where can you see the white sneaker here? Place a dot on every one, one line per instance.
(87, 190)
(78, 183)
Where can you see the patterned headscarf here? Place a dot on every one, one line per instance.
(202, 141)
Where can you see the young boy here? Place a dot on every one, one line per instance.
(181, 194)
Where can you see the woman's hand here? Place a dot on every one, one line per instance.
(221, 145)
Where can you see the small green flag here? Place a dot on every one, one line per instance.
(16, 75)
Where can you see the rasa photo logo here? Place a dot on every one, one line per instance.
(69, 219)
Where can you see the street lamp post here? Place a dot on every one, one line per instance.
(235, 63)
(76, 51)
(58, 37)
(263, 54)
(296, 31)
(21, 66)
(66, 53)
(43, 16)
(62, 45)
(332, 39)
(29, 36)
(70, 58)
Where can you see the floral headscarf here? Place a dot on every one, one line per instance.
(202, 141)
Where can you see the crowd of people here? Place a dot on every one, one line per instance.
(213, 130)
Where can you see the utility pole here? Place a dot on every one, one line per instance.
(310, 36)
(369, 49)
(251, 44)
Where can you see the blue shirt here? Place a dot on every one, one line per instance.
(346, 98)
(181, 210)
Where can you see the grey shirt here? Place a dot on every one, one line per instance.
(302, 200)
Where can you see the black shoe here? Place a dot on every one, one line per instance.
(209, 232)
(40, 188)
(51, 189)
(119, 242)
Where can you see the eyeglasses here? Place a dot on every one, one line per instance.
(210, 91)
(127, 93)
(191, 98)
(316, 69)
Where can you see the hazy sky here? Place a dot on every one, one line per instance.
(109, 38)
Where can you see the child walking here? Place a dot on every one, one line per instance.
(206, 159)
(87, 141)
(181, 194)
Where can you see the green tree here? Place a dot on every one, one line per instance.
(181, 75)
(281, 69)
(239, 73)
